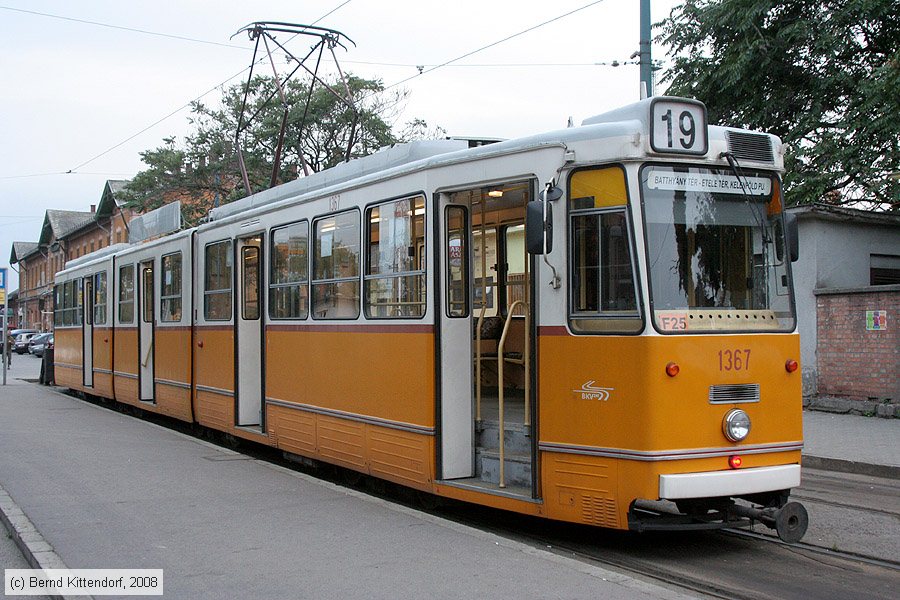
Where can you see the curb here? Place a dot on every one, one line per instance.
(849, 466)
(35, 549)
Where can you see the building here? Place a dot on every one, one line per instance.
(38, 263)
(65, 235)
(843, 253)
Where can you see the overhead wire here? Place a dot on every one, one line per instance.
(121, 27)
(492, 44)
(424, 69)
(197, 99)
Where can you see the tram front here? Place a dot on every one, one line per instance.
(672, 397)
(721, 301)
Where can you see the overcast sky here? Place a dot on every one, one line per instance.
(74, 90)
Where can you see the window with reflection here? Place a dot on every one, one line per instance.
(289, 278)
(250, 282)
(603, 296)
(457, 262)
(335, 284)
(170, 299)
(217, 282)
(126, 294)
(147, 292)
(395, 269)
(100, 298)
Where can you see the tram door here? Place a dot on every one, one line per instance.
(249, 332)
(486, 337)
(146, 331)
(457, 431)
(87, 330)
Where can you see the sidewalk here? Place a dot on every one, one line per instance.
(851, 444)
(109, 491)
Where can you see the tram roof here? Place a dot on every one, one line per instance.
(411, 157)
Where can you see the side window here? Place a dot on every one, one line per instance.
(484, 250)
(335, 284)
(126, 294)
(217, 285)
(170, 298)
(395, 268)
(289, 280)
(147, 292)
(457, 261)
(514, 273)
(100, 298)
(79, 300)
(250, 282)
(57, 305)
(68, 317)
(603, 294)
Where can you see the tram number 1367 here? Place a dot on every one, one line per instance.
(734, 360)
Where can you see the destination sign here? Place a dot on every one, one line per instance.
(708, 182)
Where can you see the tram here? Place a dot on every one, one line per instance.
(594, 325)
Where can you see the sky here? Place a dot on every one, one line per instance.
(90, 84)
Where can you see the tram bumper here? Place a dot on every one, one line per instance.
(707, 498)
(738, 482)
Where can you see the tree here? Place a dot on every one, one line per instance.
(205, 170)
(824, 75)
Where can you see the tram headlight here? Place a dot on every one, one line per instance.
(736, 425)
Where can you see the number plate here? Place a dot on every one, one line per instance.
(678, 126)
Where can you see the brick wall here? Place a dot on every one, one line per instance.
(852, 361)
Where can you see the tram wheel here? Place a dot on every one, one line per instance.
(791, 522)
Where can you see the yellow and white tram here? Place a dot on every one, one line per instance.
(575, 325)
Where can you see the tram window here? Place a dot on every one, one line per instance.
(217, 286)
(250, 283)
(78, 294)
(603, 294)
(57, 305)
(170, 298)
(147, 294)
(100, 298)
(514, 274)
(336, 267)
(485, 257)
(457, 263)
(289, 279)
(395, 269)
(67, 309)
(126, 294)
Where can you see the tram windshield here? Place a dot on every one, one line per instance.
(716, 250)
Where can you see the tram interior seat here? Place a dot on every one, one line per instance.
(491, 332)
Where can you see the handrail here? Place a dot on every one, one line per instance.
(500, 362)
(478, 364)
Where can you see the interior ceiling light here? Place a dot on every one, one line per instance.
(495, 193)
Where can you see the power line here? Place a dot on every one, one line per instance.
(613, 63)
(121, 27)
(492, 44)
(188, 104)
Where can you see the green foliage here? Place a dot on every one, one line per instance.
(823, 75)
(206, 169)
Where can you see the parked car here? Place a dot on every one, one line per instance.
(14, 333)
(20, 345)
(38, 343)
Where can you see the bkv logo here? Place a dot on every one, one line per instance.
(589, 391)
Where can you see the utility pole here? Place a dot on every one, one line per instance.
(645, 60)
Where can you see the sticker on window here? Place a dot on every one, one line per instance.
(672, 321)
